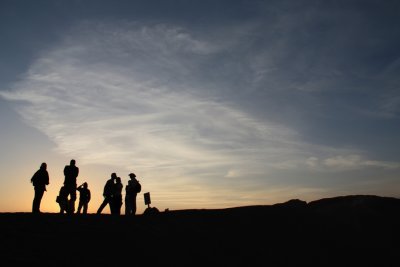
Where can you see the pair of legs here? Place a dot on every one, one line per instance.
(71, 193)
(116, 205)
(37, 199)
(107, 200)
(83, 205)
(63, 205)
(130, 205)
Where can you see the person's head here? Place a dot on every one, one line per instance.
(85, 185)
(132, 175)
(113, 176)
(118, 180)
(43, 166)
(72, 162)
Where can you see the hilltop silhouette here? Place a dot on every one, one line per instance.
(357, 230)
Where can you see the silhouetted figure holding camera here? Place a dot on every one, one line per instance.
(131, 190)
(108, 193)
(71, 173)
(84, 198)
(39, 180)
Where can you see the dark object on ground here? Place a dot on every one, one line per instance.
(341, 231)
(151, 211)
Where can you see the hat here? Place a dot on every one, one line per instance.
(132, 174)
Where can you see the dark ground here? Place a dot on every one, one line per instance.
(341, 231)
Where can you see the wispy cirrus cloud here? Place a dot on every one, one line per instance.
(348, 162)
(113, 100)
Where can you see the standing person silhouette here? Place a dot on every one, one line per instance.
(108, 193)
(117, 197)
(71, 173)
(84, 198)
(39, 180)
(131, 190)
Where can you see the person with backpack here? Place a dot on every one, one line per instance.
(131, 190)
(84, 198)
(39, 180)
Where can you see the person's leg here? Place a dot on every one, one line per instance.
(133, 205)
(85, 207)
(65, 204)
(35, 203)
(36, 200)
(72, 200)
(117, 209)
(102, 205)
(127, 205)
(79, 207)
(112, 205)
(119, 205)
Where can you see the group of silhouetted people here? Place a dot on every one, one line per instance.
(67, 196)
(112, 194)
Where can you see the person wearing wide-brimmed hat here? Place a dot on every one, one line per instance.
(131, 190)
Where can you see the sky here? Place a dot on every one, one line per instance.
(212, 103)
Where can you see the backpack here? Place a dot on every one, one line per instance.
(138, 187)
(35, 179)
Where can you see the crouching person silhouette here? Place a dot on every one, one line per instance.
(62, 199)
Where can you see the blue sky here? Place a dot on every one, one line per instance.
(211, 103)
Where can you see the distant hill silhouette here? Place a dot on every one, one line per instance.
(357, 230)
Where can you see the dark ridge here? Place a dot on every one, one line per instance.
(359, 230)
(356, 202)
